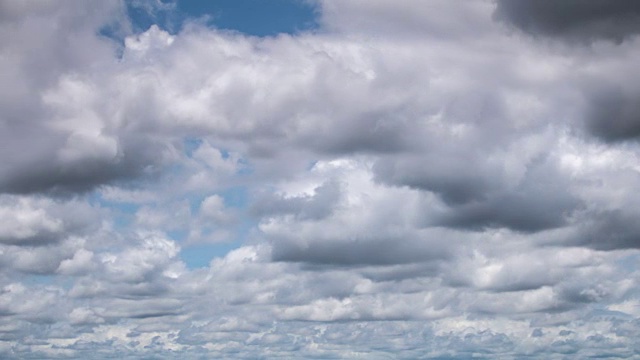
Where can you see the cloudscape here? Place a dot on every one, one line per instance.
(319, 179)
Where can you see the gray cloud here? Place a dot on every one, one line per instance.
(37, 221)
(57, 139)
(457, 179)
(540, 201)
(574, 20)
(49, 176)
(358, 251)
(409, 20)
(613, 113)
(315, 207)
(613, 229)
(479, 194)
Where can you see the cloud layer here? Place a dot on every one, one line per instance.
(415, 180)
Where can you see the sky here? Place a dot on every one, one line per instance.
(319, 179)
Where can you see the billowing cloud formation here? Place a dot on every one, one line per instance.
(612, 111)
(411, 180)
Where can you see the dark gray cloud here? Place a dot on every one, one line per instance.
(573, 20)
(613, 113)
(457, 178)
(517, 211)
(609, 230)
(49, 175)
(540, 201)
(385, 131)
(478, 195)
(358, 251)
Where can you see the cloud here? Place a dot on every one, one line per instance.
(535, 204)
(313, 207)
(574, 20)
(33, 221)
(410, 181)
(411, 19)
(613, 114)
(612, 229)
(368, 224)
(71, 146)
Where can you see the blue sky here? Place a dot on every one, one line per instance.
(251, 17)
(269, 179)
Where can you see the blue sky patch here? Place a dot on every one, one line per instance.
(251, 17)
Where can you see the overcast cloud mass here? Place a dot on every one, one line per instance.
(404, 179)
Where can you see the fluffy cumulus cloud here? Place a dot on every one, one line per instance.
(423, 179)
